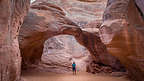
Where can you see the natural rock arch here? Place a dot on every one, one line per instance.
(46, 20)
(32, 50)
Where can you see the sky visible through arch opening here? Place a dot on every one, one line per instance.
(32, 1)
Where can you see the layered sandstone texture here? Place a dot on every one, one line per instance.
(46, 20)
(122, 31)
(11, 19)
(81, 12)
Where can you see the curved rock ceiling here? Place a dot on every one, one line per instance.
(80, 12)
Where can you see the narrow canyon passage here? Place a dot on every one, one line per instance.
(82, 76)
(43, 40)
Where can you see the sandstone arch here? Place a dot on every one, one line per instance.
(46, 20)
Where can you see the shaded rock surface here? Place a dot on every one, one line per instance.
(11, 18)
(46, 20)
(122, 32)
(94, 67)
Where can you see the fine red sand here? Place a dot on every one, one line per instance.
(82, 76)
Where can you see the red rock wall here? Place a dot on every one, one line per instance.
(140, 4)
(11, 18)
(122, 32)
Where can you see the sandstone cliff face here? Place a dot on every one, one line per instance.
(80, 11)
(140, 4)
(11, 18)
(122, 32)
(46, 20)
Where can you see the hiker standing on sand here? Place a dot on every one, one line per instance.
(74, 68)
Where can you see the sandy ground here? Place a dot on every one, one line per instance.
(82, 76)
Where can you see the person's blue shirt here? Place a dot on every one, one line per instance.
(73, 65)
